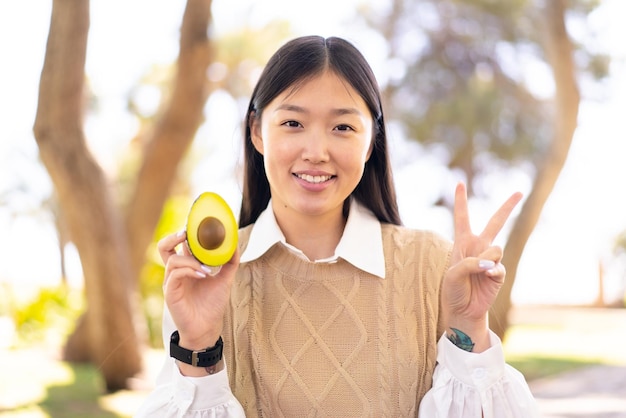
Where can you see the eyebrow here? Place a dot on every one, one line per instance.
(339, 111)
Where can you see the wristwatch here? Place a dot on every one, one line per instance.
(203, 358)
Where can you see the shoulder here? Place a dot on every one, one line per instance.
(400, 234)
(400, 242)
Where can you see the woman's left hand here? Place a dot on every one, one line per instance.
(476, 274)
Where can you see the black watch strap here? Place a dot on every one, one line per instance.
(203, 358)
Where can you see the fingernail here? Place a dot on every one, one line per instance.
(486, 264)
(211, 270)
(200, 274)
(180, 233)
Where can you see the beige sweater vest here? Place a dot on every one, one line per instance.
(329, 340)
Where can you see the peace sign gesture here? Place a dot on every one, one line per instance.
(475, 276)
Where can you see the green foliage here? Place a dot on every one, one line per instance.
(53, 309)
(151, 279)
(465, 95)
(461, 77)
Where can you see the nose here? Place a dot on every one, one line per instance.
(315, 147)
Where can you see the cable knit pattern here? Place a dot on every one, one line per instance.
(384, 356)
(327, 339)
(406, 326)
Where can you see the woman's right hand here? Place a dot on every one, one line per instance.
(196, 300)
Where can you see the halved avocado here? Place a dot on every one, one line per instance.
(212, 231)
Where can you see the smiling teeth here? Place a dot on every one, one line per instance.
(313, 179)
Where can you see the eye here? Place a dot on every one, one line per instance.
(344, 128)
(292, 124)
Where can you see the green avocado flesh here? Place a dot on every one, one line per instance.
(211, 230)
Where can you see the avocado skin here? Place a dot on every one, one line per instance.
(212, 205)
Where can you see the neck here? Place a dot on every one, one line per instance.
(317, 236)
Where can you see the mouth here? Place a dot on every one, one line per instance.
(313, 179)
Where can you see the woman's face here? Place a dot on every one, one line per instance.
(315, 140)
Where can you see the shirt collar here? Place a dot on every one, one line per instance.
(361, 243)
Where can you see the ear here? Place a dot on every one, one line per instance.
(255, 132)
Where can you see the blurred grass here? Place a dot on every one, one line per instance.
(34, 382)
(535, 367)
(77, 397)
(546, 341)
(52, 388)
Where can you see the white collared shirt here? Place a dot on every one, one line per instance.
(361, 243)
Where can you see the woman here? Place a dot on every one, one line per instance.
(330, 307)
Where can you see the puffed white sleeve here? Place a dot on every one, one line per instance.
(476, 385)
(178, 396)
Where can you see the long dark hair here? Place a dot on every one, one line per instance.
(296, 61)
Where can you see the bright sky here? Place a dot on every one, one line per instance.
(585, 212)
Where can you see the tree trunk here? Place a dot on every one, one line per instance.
(62, 238)
(112, 245)
(559, 53)
(84, 195)
(173, 132)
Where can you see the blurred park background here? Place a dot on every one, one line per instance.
(114, 115)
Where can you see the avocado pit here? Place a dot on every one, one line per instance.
(211, 233)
